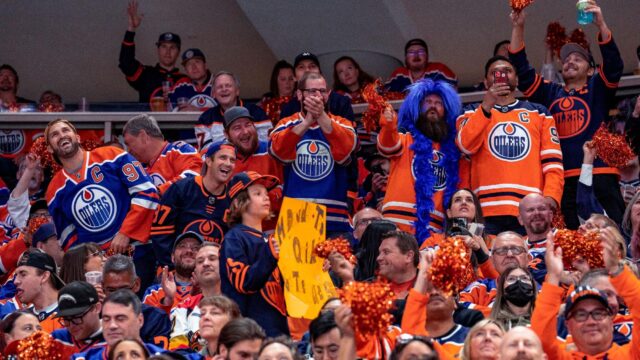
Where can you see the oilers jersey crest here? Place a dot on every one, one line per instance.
(197, 95)
(110, 193)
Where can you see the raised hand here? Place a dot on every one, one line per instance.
(134, 17)
(553, 261)
(589, 152)
(169, 286)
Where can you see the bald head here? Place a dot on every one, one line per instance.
(362, 218)
(535, 215)
(521, 343)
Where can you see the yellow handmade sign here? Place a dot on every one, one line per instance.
(301, 226)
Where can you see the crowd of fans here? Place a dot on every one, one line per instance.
(157, 249)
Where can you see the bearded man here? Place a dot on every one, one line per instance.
(424, 160)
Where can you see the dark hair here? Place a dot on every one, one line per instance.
(479, 217)
(112, 349)
(401, 345)
(498, 45)
(500, 310)
(302, 83)
(125, 297)
(370, 247)
(284, 341)
(273, 83)
(73, 262)
(238, 330)
(10, 68)
(363, 77)
(325, 322)
(238, 206)
(7, 324)
(492, 60)
(405, 242)
(223, 303)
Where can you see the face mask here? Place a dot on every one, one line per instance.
(519, 293)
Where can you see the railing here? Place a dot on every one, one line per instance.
(629, 85)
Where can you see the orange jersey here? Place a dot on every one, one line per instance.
(176, 161)
(514, 152)
(544, 320)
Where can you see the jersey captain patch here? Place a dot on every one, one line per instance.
(509, 141)
(94, 207)
(11, 141)
(571, 114)
(313, 160)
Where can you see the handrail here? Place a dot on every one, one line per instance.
(176, 120)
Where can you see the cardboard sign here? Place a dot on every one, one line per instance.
(301, 226)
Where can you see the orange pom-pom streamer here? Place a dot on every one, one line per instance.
(556, 37)
(612, 148)
(451, 270)
(377, 104)
(519, 5)
(558, 219)
(577, 36)
(35, 223)
(39, 148)
(40, 345)
(341, 245)
(575, 244)
(370, 304)
(50, 107)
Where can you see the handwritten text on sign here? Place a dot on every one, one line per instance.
(301, 226)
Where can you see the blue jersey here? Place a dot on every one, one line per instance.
(156, 328)
(100, 352)
(210, 127)
(196, 95)
(188, 206)
(578, 113)
(110, 193)
(249, 276)
(72, 346)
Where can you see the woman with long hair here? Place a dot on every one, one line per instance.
(483, 341)
(17, 326)
(515, 298)
(631, 226)
(81, 260)
(349, 79)
(281, 88)
(215, 313)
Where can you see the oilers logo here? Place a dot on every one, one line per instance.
(572, 116)
(209, 229)
(313, 160)
(157, 179)
(437, 162)
(94, 207)
(509, 141)
(202, 101)
(11, 141)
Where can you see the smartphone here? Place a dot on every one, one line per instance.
(500, 77)
(476, 229)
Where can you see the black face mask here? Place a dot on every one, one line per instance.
(519, 293)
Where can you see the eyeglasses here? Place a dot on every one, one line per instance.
(515, 250)
(581, 316)
(365, 222)
(313, 91)
(97, 253)
(513, 279)
(76, 320)
(416, 52)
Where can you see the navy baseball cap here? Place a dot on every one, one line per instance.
(187, 235)
(416, 41)
(581, 293)
(76, 298)
(169, 37)
(217, 146)
(234, 113)
(44, 232)
(192, 53)
(306, 56)
(243, 180)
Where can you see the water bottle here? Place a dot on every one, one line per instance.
(584, 17)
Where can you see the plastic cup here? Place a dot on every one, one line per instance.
(93, 277)
(157, 104)
(584, 17)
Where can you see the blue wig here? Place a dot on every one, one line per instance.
(422, 148)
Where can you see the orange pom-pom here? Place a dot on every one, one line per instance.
(613, 149)
(577, 36)
(519, 5)
(377, 104)
(39, 148)
(556, 37)
(50, 107)
(35, 223)
(273, 106)
(575, 244)
(40, 345)
(341, 245)
(451, 270)
(370, 304)
(558, 219)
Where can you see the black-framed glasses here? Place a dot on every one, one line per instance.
(515, 250)
(582, 316)
(314, 90)
(75, 320)
(366, 222)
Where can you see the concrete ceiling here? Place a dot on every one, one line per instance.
(72, 46)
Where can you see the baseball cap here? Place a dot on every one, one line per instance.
(76, 298)
(581, 293)
(192, 54)
(243, 180)
(370, 158)
(234, 113)
(305, 56)
(415, 41)
(570, 48)
(217, 146)
(41, 260)
(169, 37)
(187, 235)
(44, 232)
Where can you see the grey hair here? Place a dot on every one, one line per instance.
(512, 233)
(224, 72)
(143, 122)
(119, 264)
